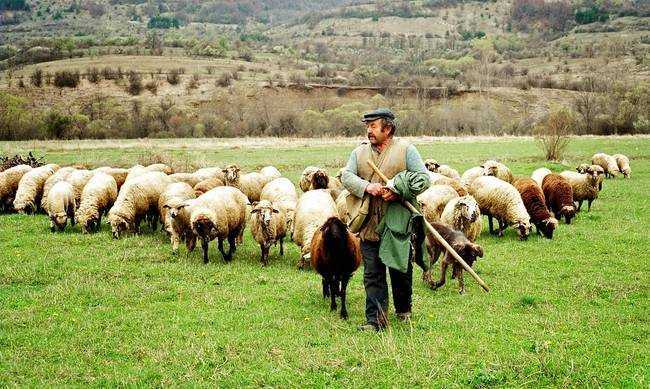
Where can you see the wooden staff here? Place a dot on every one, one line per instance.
(435, 234)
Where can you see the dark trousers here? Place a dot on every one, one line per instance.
(374, 281)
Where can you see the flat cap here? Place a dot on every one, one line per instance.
(377, 114)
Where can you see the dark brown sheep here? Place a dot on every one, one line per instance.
(319, 180)
(559, 196)
(464, 247)
(335, 255)
(535, 203)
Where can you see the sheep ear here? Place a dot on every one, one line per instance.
(166, 206)
(482, 167)
(275, 210)
(257, 210)
(254, 204)
(224, 170)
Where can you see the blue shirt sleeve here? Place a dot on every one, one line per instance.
(414, 162)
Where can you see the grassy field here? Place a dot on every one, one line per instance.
(88, 310)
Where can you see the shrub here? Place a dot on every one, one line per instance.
(224, 80)
(173, 77)
(135, 83)
(66, 79)
(93, 75)
(554, 134)
(152, 86)
(37, 78)
(193, 83)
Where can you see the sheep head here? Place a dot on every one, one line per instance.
(27, 208)
(490, 168)
(468, 208)
(432, 165)
(582, 168)
(175, 207)
(92, 223)
(568, 212)
(118, 225)
(524, 228)
(547, 227)
(231, 173)
(58, 220)
(263, 211)
(319, 180)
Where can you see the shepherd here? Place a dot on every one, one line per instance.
(384, 225)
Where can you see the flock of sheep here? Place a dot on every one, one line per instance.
(216, 204)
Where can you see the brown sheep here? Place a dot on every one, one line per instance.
(207, 185)
(559, 196)
(535, 203)
(335, 255)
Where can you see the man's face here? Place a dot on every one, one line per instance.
(376, 131)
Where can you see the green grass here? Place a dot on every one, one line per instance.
(88, 310)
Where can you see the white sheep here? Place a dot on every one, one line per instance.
(539, 174)
(433, 201)
(135, 171)
(305, 178)
(137, 199)
(312, 211)
(178, 191)
(439, 179)
(219, 214)
(97, 198)
(623, 163)
(30, 188)
(59, 175)
(342, 206)
(251, 184)
(500, 199)
(281, 192)
(78, 179)
(189, 178)
(9, 180)
(607, 162)
(209, 172)
(180, 227)
(434, 166)
(61, 205)
(498, 170)
(463, 214)
(118, 174)
(268, 227)
(585, 186)
(159, 167)
(470, 175)
(270, 173)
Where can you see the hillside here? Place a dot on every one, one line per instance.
(429, 60)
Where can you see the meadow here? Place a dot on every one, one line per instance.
(89, 310)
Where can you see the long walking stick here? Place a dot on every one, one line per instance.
(436, 235)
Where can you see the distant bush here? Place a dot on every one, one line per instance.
(193, 83)
(135, 83)
(160, 21)
(66, 79)
(37, 78)
(93, 75)
(554, 134)
(173, 77)
(224, 80)
(152, 86)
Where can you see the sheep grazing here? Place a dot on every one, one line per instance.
(119, 174)
(79, 179)
(207, 185)
(189, 178)
(209, 172)
(433, 201)
(585, 186)
(623, 164)
(270, 173)
(60, 175)
(9, 180)
(607, 162)
(535, 202)
(282, 193)
(498, 170)
(97, 198)
(178, 191)
(30, 188)
(433, 166)
(439, 179)
(539, 174)
(335, 255)
(137, 199)
(463, 214)
(61, 205)
(312, 211)
(467, 250)
(268, 227)
(219, 214)
(470, 175)
(559, 196)
(501, 200)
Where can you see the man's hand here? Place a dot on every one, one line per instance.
(389, 195)
(374, 189)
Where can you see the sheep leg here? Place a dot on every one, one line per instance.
(326, 288)
(344, 287)
(282, 246)
(265, 254)
(175, 242)
(502, 226)
(579, 205)
(332, 294)
(443, 274)
(190, 243)
(459, 275)
(204, 247)
(490, 224)
(221, 249)
(589, 205)
(232, 247)
(52, 226)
